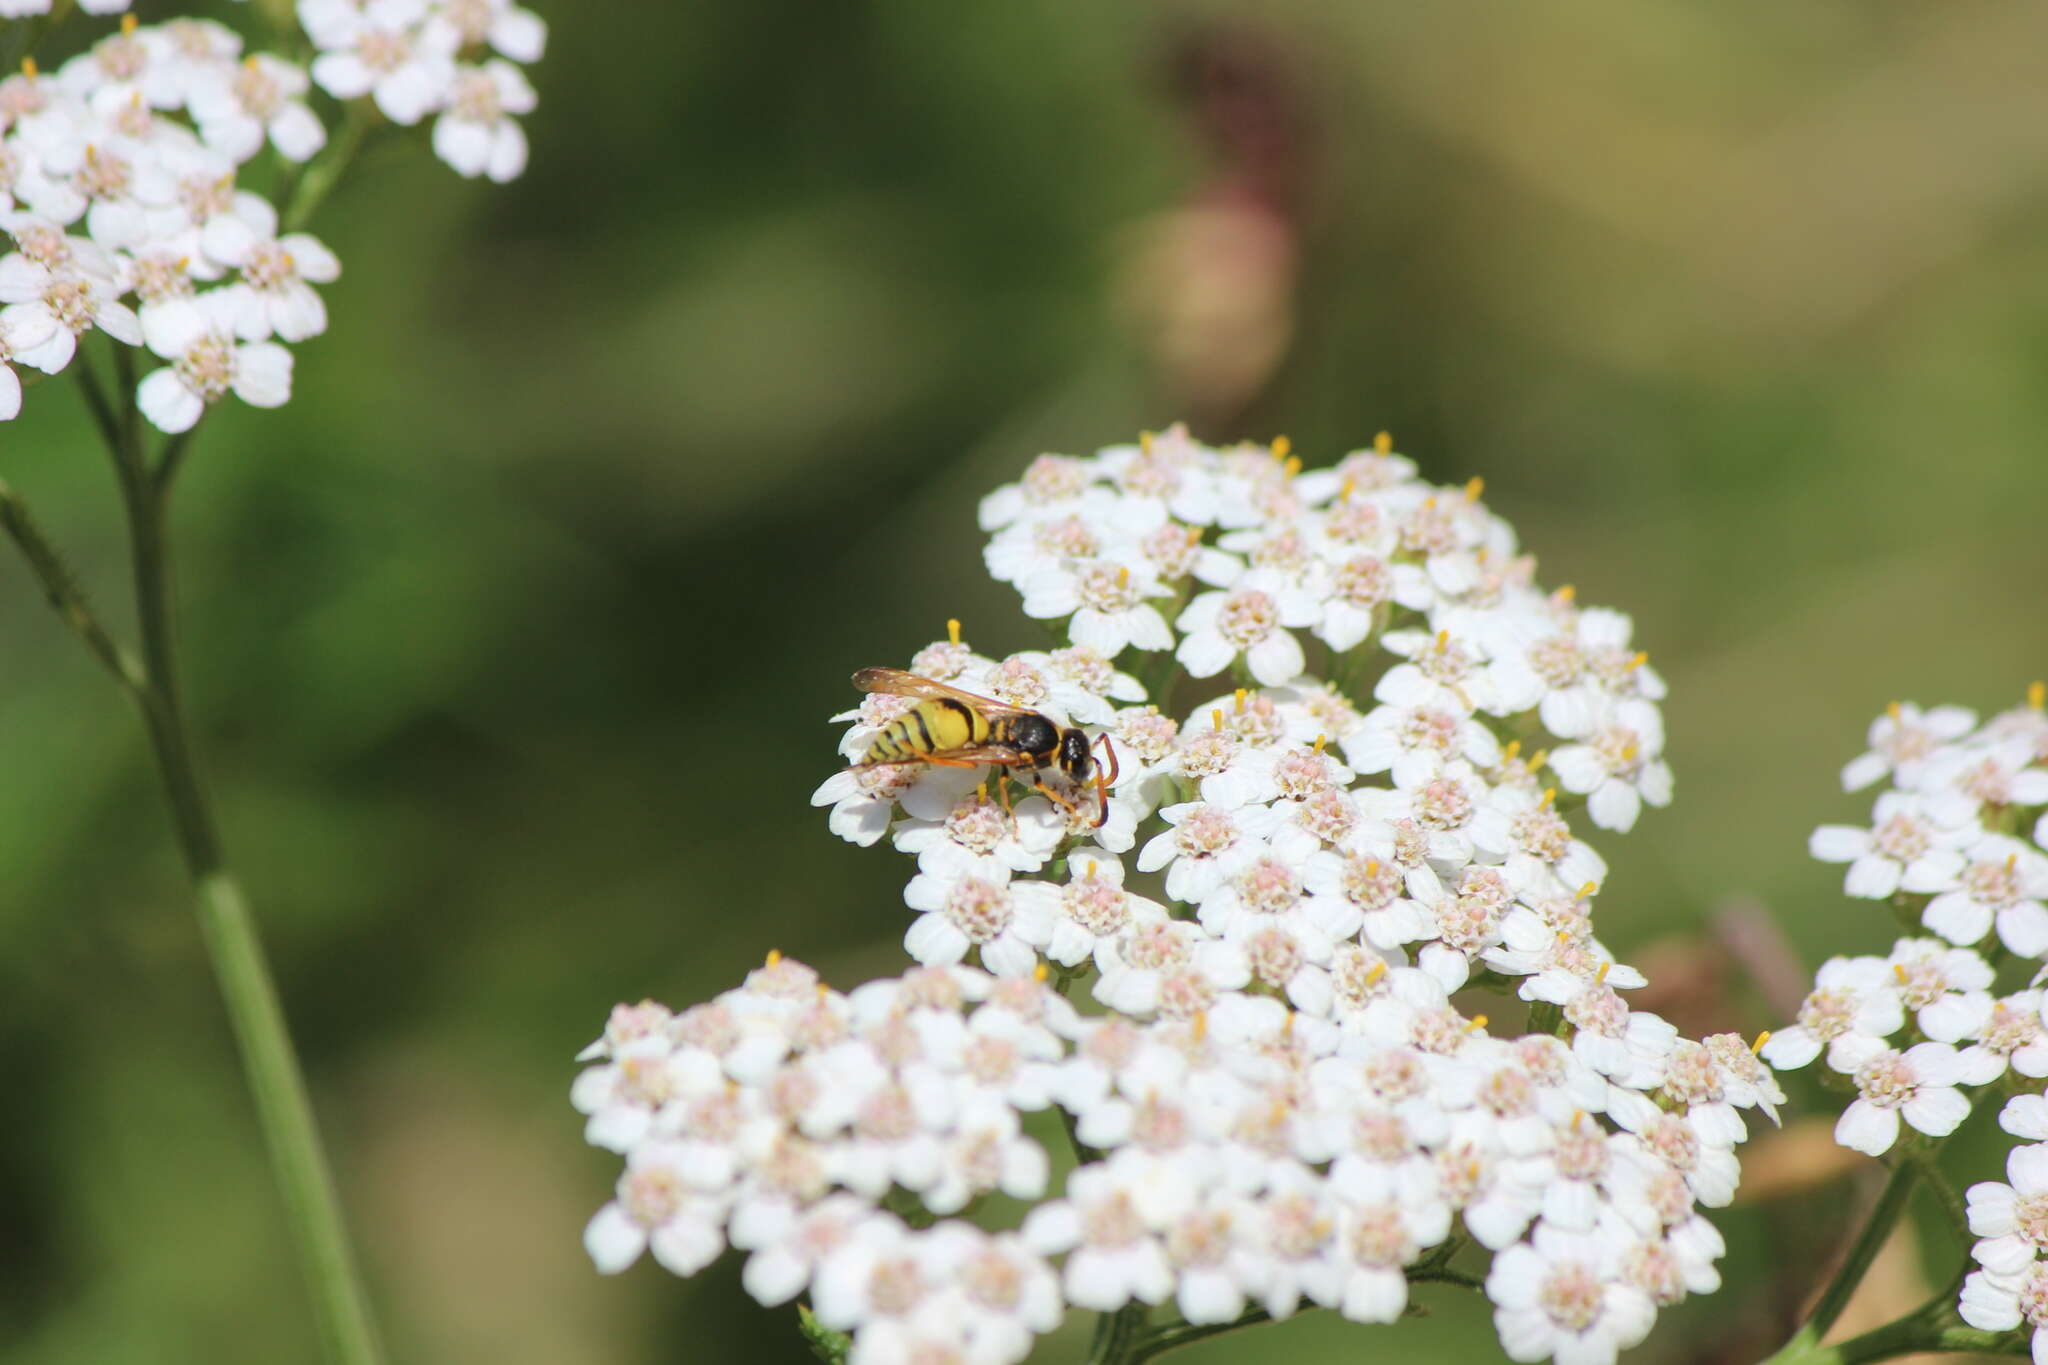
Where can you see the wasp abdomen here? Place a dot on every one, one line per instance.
(932, 726)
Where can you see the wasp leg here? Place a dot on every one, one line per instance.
(1038, 785)
(933, 759)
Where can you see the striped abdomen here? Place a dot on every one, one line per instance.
(934, 725)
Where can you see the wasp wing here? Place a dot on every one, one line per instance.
(898, 683)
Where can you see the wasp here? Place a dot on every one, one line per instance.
(956, 729)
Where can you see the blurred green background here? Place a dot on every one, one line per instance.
(512, 638)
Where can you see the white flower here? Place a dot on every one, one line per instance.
(1918, 1085)
(657, 1207)
(1249, 621)
(2000, 1303)
(969, 905)
(1413, 743)
(1011, 1296)
(1852, 998)
(1619, 767)
(1205, 845)
(513, 32)
(238, 105)
(1380, 1238)
(2012, 1219)
(274, 297)
(1092, 911)
(1170, 968)
(1946, 988)
(1902, 738)
(197, 336)
(1911, 846)
(2002, 884)
(1560, 1294)
(788, 1243)
(882, 1273)
(978, 826)
(378, 51)
(476, 134)
(55, 289)
(1114, 1253)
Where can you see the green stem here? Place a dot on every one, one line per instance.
(271, 1068)
(1117, 1335)
(64, 593)
(321, 175)
(1919, 1333)
(1171, 1338)
(1955, 1212)
(285, 1112)
(1898, 1193)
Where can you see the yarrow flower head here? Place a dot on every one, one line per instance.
(1954, 849)
(121, 188)
(1269, 898)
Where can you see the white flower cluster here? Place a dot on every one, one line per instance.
(1275, 895)
(120, 195)
(458, 60)
(740, 1118)
(1956, 847)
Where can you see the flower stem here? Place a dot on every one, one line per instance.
(283, 1109)
(1117, 1336)
(1928, 1330)
(1898, 1193)
(320, 175)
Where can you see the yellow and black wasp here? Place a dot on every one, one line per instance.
(956, 729)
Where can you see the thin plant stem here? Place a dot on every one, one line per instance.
(319, 177)
(277, 1086)
(1929, 1330)
(1898, 1193)
(65, 595)
(1117, 1335)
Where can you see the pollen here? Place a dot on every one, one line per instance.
(1549, 797)
(1566, 593)
(1600, 977)
(1893, 710)
(1321, 740)
(1514, 747)
(2037, 694)
(1538, 759)
(1474, 486)
(1216, 718)
(1640, 658)
(1758, 1046)
(28, 67)
(1344, 493)
(953, 630)
(1291, 466)
(128, 22)
(1586, 891)
(1375, 972)
(774, 956)
(1476, 1024)
(1199, 1025)
(1123, 576)
(1281, 446)
(1384, 443)
(1040, 973)
(1145, 442)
